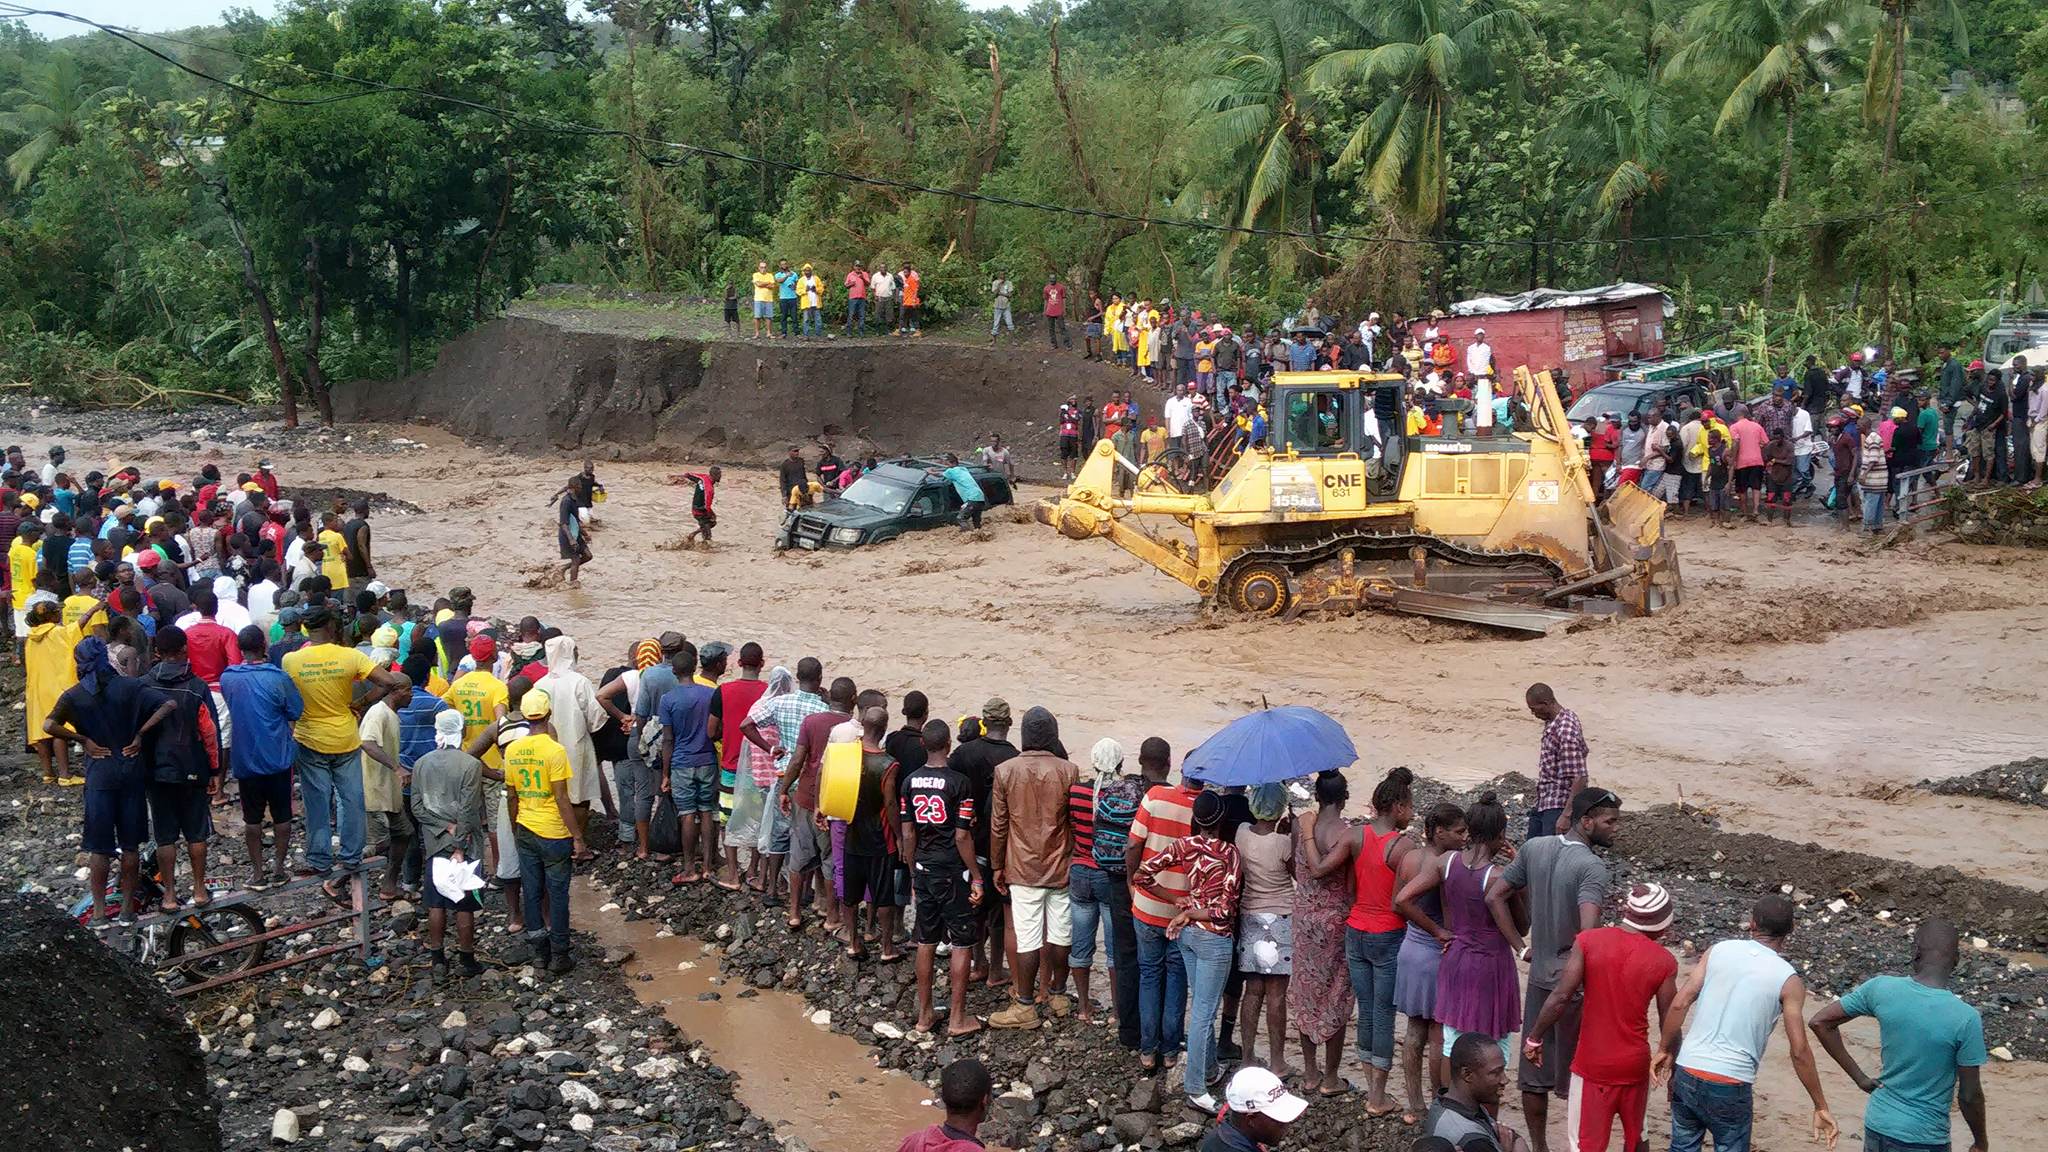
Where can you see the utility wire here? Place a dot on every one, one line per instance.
(545, 123)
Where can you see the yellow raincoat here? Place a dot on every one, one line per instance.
(47, 657)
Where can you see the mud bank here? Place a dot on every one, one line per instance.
(534, 385)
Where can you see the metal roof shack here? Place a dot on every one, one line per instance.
(1581, 331)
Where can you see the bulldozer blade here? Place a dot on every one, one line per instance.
(1472, 609)
(1636, 515)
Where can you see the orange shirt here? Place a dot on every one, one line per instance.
(910, 297)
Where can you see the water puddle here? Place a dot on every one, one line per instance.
(813, 1083)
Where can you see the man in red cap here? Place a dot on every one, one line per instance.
(1621, 970)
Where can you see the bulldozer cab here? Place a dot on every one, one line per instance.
(1337, 438)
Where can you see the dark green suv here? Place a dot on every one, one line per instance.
(895, 497)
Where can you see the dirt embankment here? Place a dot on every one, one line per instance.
(536, 385)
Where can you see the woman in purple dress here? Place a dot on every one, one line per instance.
(1319, 993)
(1477, 989)
(1422, 950)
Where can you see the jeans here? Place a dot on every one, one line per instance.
(637, 786)
(1702, 1107)
(1543, 822)
(1653, 482)
(1879, 1142)
(857, 316)
(999, 318)
(1371, 957)
(1207, 956)
(1873, 508)
(544, 861)
(814, 322)
(970, 513)
(331, 792)
(1087, 896)
(1056, 331)
(1162, 991)
(785, 316)
(1123, 960)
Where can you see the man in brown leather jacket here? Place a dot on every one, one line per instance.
(1031, 843)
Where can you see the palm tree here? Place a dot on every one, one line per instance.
(1617, 125)
(1771, 52)
(1416, 57)
(1251, 127)
(1884, 82)
(50, 110)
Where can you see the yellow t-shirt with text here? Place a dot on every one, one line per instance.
(75, 608)
(21, 568)
(326, 676)
(334, 565)
(478, 696)
(533, 765)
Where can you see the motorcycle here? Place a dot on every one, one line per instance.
(194, 932)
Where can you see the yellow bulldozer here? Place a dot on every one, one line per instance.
(1340, 508)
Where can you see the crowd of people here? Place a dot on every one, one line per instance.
(196, 638)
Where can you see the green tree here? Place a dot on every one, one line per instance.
(50, 110)
(1616, 125)
(1415, 58)
(1884, 82)
(1770, 53)
(1252, 135)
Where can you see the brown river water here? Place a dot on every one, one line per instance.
(811, 1082)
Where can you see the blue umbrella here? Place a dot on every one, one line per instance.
(1270, 746)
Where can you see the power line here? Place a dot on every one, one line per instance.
(546, 123)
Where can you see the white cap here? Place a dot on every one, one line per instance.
(376, 588)
(448, 729)
(1479, 331)
(1258, 1090)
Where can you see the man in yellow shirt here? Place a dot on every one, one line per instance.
(85, 593)
(334, 554)
(329, 766)
(764, 299)
(810, 292)
(544, 826)
(479, 697)
(21, 572)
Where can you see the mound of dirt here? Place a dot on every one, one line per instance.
(535, 385)
(2020, 782)
(1807, 617)
(115, 1065)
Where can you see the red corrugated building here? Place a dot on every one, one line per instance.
(1582, 332)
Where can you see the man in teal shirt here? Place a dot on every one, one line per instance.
(1929, 421)
(785, 293)
(972, 501)
(1931, 1042)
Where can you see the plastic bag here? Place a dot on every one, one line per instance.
(664, 830)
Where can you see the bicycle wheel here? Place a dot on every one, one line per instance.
(202, 929)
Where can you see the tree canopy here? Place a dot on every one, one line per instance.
(269, 205)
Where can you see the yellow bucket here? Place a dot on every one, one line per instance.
(598, 496)
(839, 780)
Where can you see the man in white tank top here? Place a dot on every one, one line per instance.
(1738, 992)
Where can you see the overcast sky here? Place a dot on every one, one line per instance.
(166, 15)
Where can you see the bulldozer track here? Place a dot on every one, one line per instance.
(1305, 555)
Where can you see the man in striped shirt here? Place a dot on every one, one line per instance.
(1164, 817)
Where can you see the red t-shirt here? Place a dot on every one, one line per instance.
(1055, 299)
(211, 646)
(1624, 969)
(736, 698)
(1604, 443)
(1749, 438)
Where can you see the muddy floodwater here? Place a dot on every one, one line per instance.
(811, 1082)
(1808, 681)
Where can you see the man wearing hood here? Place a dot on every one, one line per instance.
(1031, 843)
(183, 753)
(577, 715)
(108, 713)
(448, 802)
